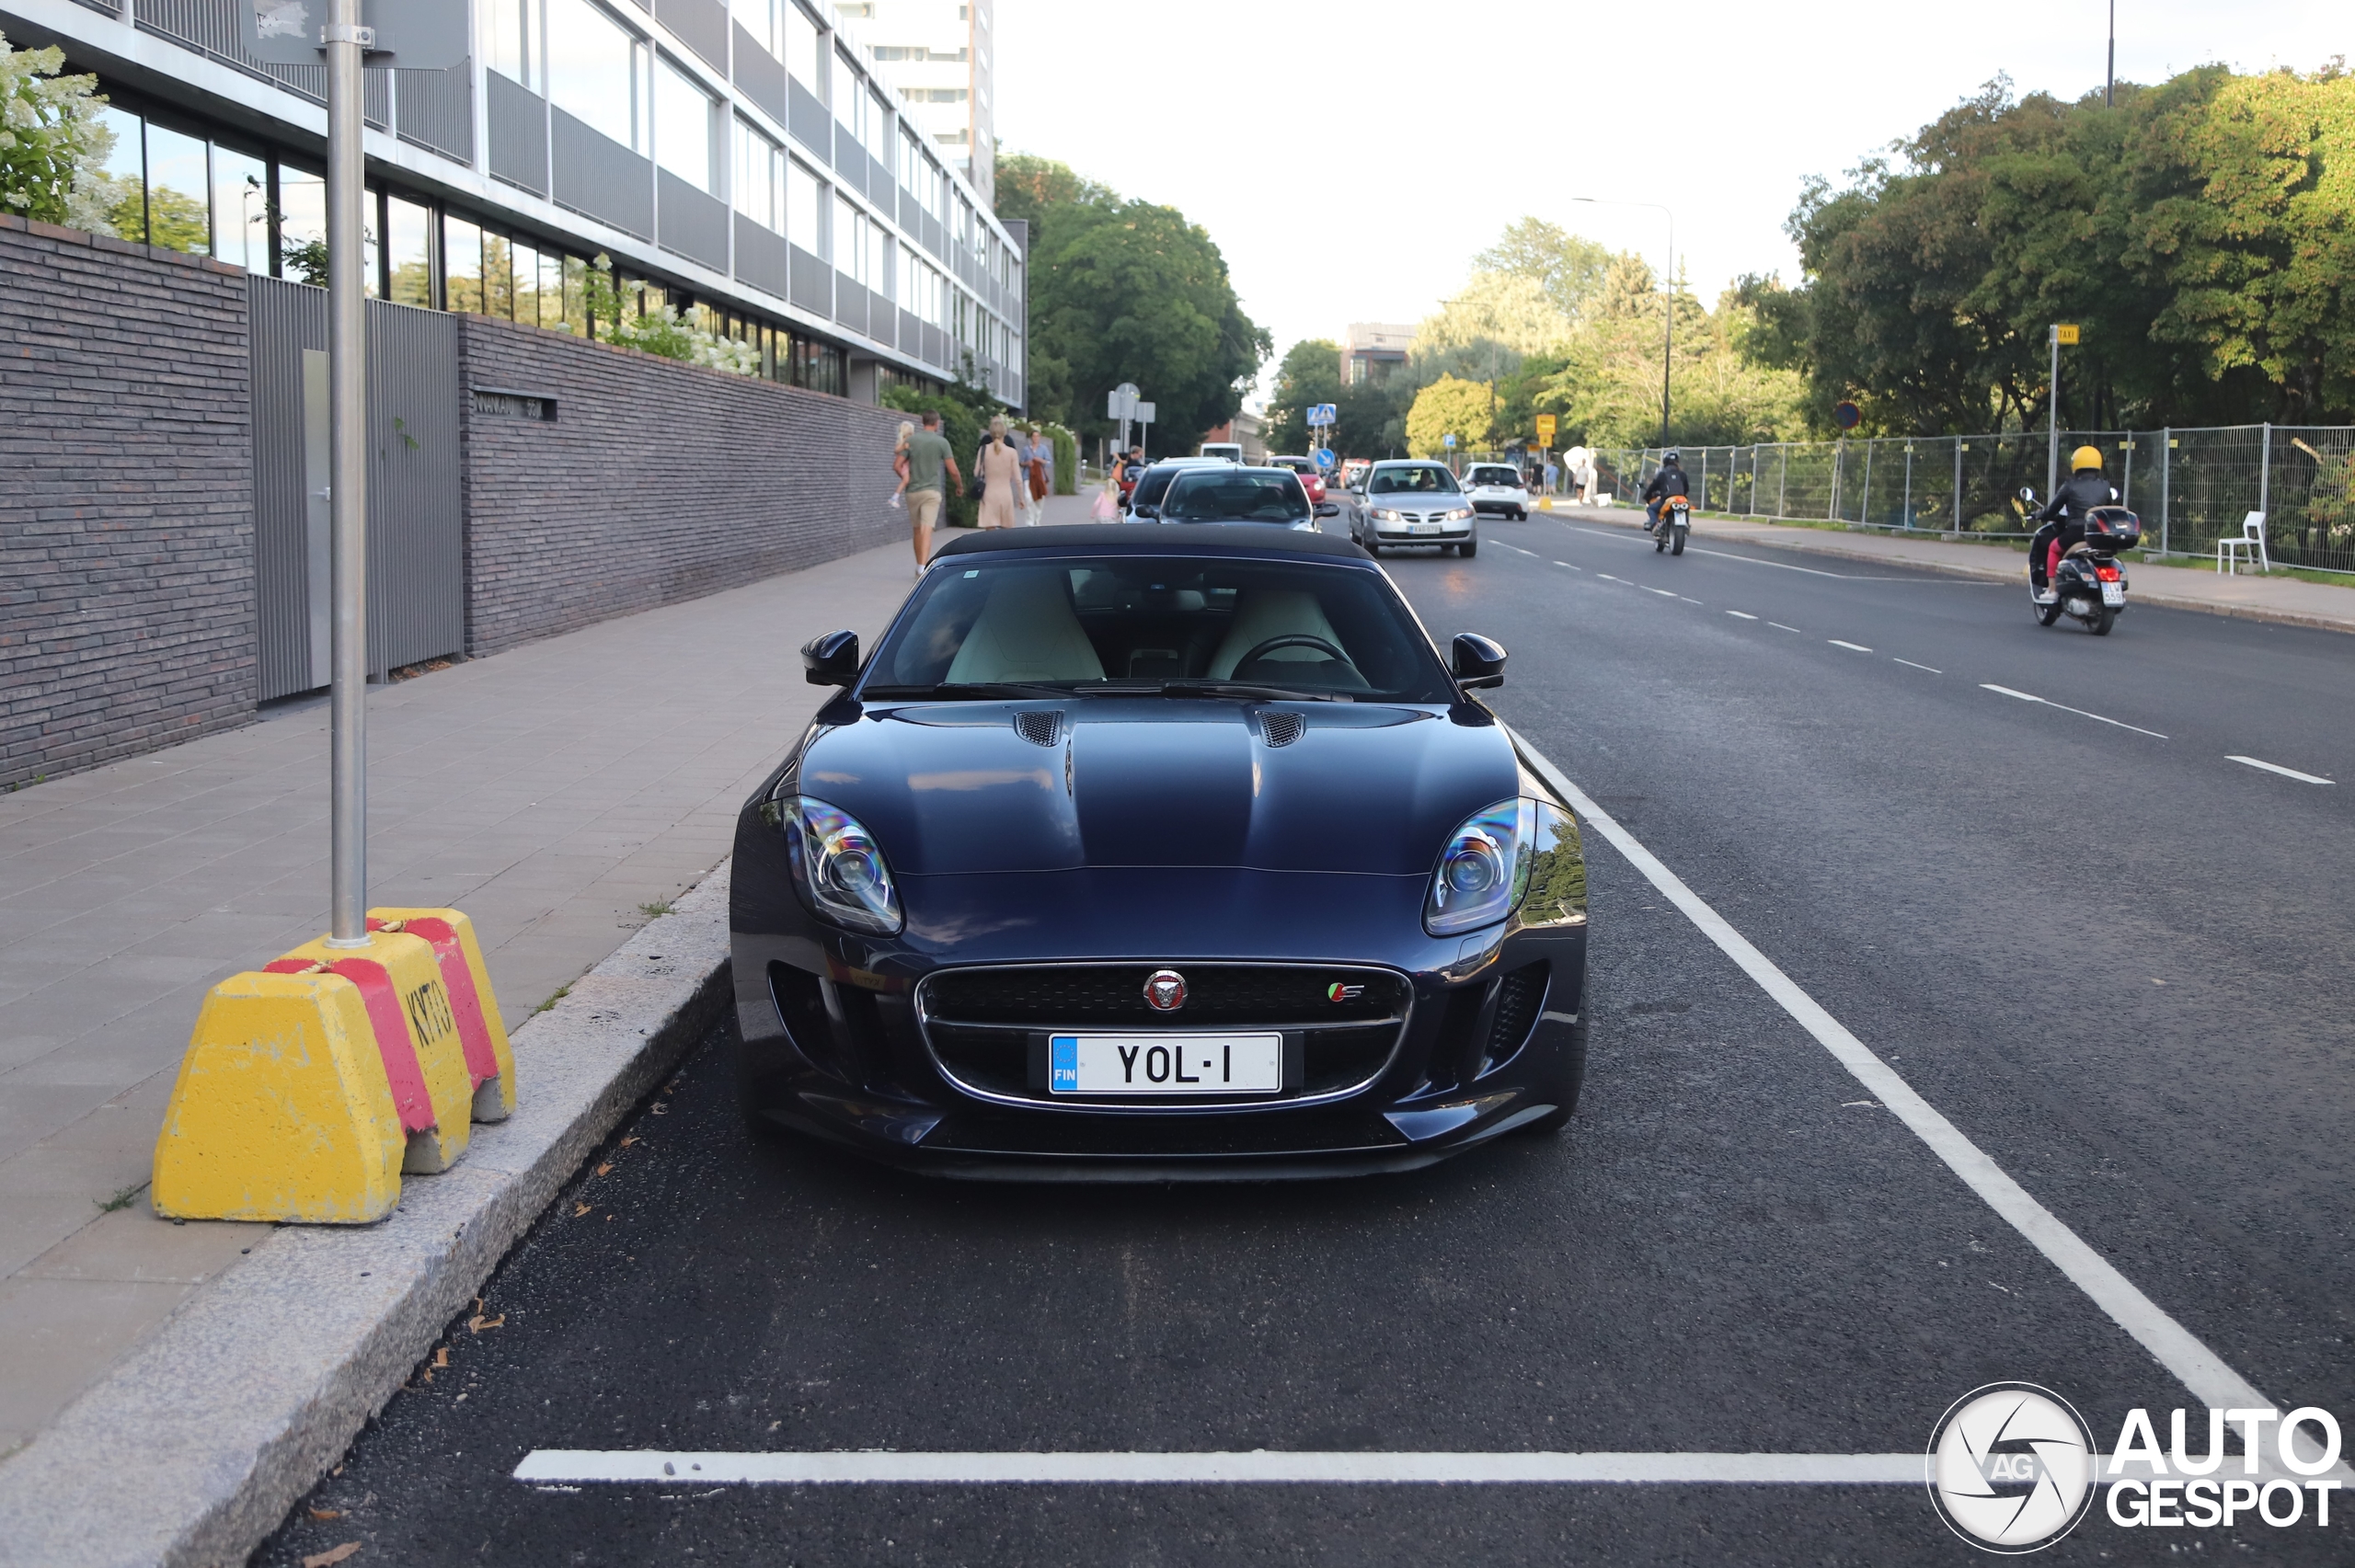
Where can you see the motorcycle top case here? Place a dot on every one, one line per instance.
(2113, 529)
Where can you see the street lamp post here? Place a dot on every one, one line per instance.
(1668, 301)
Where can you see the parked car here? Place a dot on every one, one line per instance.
(1353, 472)
(1137, 935)
(1497, 487)
(1243, 495)
(1414, 502)
(1142, 503)
(1310, 474)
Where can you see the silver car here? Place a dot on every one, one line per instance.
(1414, 502)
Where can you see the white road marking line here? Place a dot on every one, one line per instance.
(1606, 576)
(1259, 1465)
(1730, 556)
(1780, 627)
(2278, 768)
(1689, 600)
(1565, 563)
(1663, 592)
(2032, 697)
(1858, 648)
(1744, 615)
(2177, 1348)
(1911, 665)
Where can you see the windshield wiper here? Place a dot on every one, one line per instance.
(960, 690)
(1249, 689)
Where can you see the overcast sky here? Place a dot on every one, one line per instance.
(1350, 156)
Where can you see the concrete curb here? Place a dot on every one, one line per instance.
(190, 1452)
(2012, 570)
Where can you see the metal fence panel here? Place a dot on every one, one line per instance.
(518, 133)
(593, 173)
(436, 109)
(694, 223)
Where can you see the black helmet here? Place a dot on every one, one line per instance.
(1672, 456)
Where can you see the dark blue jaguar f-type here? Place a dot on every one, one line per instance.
(1142, 854)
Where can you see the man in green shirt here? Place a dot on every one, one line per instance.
(928, 459)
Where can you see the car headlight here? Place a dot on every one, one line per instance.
(1459, 514)
(1483, 870)
(840, 868)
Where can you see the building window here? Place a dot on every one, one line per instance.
(462, 265)
(764, 19)
(408, 252)
(683, 113)
(805, 208)
(508, 46)
(597, 72)
(850, 239)
(759, 181)
(880, 252)
(850, 100)
(241, 209)
(801, 52)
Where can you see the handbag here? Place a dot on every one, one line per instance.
(976, 487)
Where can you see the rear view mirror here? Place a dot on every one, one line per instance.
(831, 660)
(1326, 509)
(1478, 661)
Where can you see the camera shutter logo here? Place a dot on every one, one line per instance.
(2011, 1468)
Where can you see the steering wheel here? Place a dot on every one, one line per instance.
(1291, 639)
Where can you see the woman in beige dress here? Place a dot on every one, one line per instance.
(999, 469)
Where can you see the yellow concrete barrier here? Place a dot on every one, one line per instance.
(490, 1060)
(283, 1110)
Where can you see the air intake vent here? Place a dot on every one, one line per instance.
(1038, 728)
(1282, 730)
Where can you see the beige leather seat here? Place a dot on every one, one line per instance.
(1027, 632)
(1261, 613)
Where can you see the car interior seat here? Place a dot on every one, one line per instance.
(1264, 612)
(1027, 632)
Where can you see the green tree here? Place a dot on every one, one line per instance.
(1449, 407)
(1569, 266)
(1125, 291)
(1309, 373)
(51, 137)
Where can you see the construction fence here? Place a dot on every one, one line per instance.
(2192, 487)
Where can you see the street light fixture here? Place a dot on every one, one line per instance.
(1667, 304)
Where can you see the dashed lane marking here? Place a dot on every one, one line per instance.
(1663, 592)
(2278, 768)
(1754, 560)
(2201, 1370)
(1689, 600)
(2032, 697)
(641, 1466)
(1911, 665)
(1565, 565)
(1780, 627)
(1743, 614)
(1857, 647)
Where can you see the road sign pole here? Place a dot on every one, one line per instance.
(348, 470)
(2052, 422)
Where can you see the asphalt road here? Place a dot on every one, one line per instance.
(2117, 963)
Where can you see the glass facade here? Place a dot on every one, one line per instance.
(488, 238)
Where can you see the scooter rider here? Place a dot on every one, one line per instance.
(1670, 481)
(2063, 518)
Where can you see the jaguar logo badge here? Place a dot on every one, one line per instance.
(1164, 991)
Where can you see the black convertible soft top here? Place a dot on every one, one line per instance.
(1170, 538)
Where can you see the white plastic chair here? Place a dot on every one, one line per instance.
(2252, 538)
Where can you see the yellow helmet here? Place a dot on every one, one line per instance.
(2085, 457)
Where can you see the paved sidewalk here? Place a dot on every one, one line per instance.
(560, 793)
(2282, 599)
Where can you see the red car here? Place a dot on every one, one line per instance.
(1312, 476)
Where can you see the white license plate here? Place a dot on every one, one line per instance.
(1423, 528)
(1166, 1064)
(2113, 594)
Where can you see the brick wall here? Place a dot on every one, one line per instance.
(656, 482)
(126, 500)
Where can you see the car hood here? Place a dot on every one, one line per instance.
(950, 788)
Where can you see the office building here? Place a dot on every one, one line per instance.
(938, 53)
(741, 162)
(1372, 351)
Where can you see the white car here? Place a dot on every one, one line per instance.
(1497, 487)
(1227, 451)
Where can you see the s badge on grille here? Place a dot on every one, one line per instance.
(1164, 991)
(1337, 991)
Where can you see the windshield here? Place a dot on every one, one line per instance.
(1245, 496)
(1149, 487)
(1297, 464)
(1421, 478)
(1180, 625)
(1492, 475)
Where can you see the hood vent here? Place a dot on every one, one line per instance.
(1038, 728)
(1282, 730)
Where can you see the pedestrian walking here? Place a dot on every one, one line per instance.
(1042, 455)
(1108, 501)
(997, 468)
(932, 468)
(900, 461)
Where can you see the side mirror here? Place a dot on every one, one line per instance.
(1326, 509)
(1478, 661)
(1148, 510)
(831, 660)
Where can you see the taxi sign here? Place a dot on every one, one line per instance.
(2065, 335)
(1546, 429)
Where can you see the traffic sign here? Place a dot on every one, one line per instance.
(416, 35)
(1544, 429)
(2065, 334)
(1320, 415)
(1145, 413)
(1846, 414)
(1324, 457)
(1448, 439)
